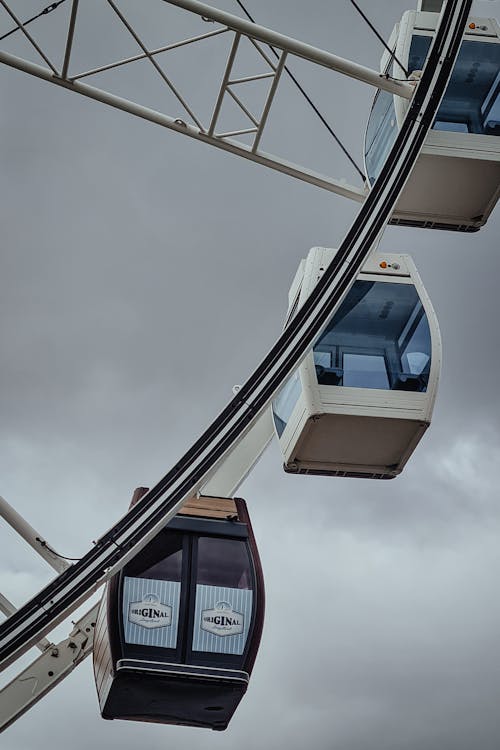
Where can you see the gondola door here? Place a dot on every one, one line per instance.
(221, 601)
(153, 601)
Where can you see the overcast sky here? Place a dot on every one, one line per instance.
(143, 275)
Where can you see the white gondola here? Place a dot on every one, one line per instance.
(361, 400)
(455, 183)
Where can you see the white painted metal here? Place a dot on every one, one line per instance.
(346, 431)
(192, 125)
(69, 39)
(341, 187)
(8, 609)
(240, 460)
(56, 661)
(456, 181)
(31, 536)
(6, 606)
(48, 670)
(28, 36)
(143, 55)
(294, 47)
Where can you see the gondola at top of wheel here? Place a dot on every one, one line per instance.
(455, 183)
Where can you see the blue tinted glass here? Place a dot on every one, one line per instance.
(161, 559)
(284, 403)
(419, 48)
(380, 133)
(223, 562)
(471, 103)
(414, 345)
(323, 359)
(379, 338)
(490, 109)
(452, 127)
(360, 369)
(472, 100)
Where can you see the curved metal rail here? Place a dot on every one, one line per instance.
(53, 603)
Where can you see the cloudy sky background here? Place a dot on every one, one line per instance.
(143, 275)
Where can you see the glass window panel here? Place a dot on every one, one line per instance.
(285, 401)
(419, 48)
(223, 562)
(416, 347)
(490, 109)
(161, 559)
(326, 370)
(383, 334)
(323, 359)
(417, 362)
(365, 371)
(471, 102)
(453, 127)
(380, 133)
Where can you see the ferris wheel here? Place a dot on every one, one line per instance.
(348, 390)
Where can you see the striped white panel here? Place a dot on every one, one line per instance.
(168, 592)
(207, 597)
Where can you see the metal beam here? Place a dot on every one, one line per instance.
(69, 39)
(339, 187)
(237, 463)
(51, 667)
(8, 609)
(232, 24)
(295, 47)
(30, 535)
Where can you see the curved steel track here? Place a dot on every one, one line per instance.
(53, 603)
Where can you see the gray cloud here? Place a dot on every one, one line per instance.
(142, 276)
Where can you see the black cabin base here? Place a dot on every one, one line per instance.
(174, 694)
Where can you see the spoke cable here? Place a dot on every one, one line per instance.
(380, 38)
(49, 8)
(43, 12)
(310, 102)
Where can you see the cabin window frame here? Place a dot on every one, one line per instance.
(207, 658)
(156, 653)
(396, 373)
(183, 652)
(370, 351)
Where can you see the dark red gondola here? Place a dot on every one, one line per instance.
(179, 627)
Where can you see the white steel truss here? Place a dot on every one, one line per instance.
(190, 123)
(56, 661)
